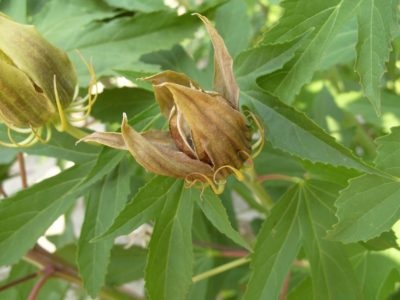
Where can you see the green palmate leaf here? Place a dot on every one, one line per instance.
(307, 140)
(169, 267)
(369, 205)
(375, 22)
(63, 146)
(144, 207)
(326, 18)
(106, 161)
(111, 104)
(61, 21)
(105, 201)
(215, 212)
(332, 274)
(390, 110)
(262, 60)
(278, 243)
(302, 291)
(142, 6)
(385, 241)
(375, 272)
(302, 216)
(126, 265)
(179, 60)
(388, 158)
(25, 216)
(366, 208)
(121, 42)
(342, 48)
(233, 24)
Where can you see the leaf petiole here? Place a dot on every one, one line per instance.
(220, 269)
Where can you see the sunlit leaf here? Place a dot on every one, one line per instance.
(375, 22)
(326, 18)
(369, 205)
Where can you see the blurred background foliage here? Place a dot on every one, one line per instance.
(301, 69)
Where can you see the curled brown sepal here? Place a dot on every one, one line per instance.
(218, 132)
(110, 139)
(224, 79)
(157, 153)
(163, 96)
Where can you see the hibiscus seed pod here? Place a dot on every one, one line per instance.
(208, 138)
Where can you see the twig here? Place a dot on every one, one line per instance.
(22, 169)
(47, 273)
(62, 269)
(18, 281)
(233, 253)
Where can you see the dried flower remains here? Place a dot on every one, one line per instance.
(208, 137)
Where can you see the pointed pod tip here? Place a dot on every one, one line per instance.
(87, 138)
(204, 19)
(124, 124)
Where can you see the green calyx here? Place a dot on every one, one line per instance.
(28, 66)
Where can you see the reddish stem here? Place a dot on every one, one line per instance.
(47, 273)
(22, 169)
(18, 281)
(233, 253)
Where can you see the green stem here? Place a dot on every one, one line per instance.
(218, 270)
(75, 132)
(259, 193)
(365, 141)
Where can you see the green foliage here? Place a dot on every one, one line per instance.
(323, 80)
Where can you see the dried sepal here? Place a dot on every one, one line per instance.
(110, 139)
(224, 79)
(163, 96)
(217, 129)
(157, 153)
(208, 137)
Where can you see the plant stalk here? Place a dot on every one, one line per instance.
(75, 132)
(223, 268)
(259, 193)
(43, 259)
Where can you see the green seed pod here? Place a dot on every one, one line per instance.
(30, 70)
